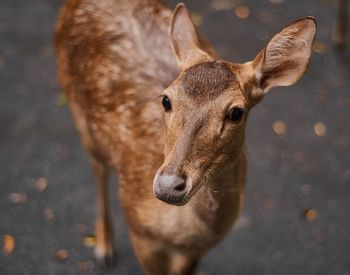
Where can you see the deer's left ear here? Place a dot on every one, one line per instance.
(286, 57)
(185, 39)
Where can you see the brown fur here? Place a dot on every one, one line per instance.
(207, 80)
(115, 60)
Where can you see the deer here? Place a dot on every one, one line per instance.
(153, 101)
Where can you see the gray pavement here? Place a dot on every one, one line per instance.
(296, 214)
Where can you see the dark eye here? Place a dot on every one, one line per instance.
(166, 103)
(235, 114)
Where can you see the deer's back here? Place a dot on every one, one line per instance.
(114, 61)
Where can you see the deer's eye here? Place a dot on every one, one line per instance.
(236, 114)
(166, 103)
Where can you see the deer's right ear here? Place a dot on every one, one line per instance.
(185, 39)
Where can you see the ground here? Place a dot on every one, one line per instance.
(296, 214)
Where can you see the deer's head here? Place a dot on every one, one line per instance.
(206, 107)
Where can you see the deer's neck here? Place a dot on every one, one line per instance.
(218, 202)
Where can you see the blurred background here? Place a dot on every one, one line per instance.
(296, 214)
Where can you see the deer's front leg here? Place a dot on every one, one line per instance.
(104, 251)
(183, 264)
(151, 254)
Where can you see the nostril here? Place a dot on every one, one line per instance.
(180, 187)
(171, 189)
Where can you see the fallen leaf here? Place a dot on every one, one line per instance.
(9, 244)
(61, 99)
(41, 184)
(85, 266)
(197, 19)
(48, 215)
(61, 255)
(306, 189)
(243, 222)
(320, 129)
(242, 11)
(19, 198)
(319, 47)
(279, 127)
(90, 241)
(310, 214)
(219, 5)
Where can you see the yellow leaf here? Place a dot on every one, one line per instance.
(279, 127)
(197, 19)
(319, 47)
(242, 11)
(320, 129)
(310, 214)
(9, 244)
(62, 255)
(61, 99)
(41, 184)
(90, 241)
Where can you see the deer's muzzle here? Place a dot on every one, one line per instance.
(171, 189)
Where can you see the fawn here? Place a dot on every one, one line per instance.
(152, 100)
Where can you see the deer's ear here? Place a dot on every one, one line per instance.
(185, 39)
(286, 57)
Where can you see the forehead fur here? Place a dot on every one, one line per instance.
(208, 79)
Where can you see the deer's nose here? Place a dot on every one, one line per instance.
(171, 189)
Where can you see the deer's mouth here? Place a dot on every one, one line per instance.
(173, 200)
